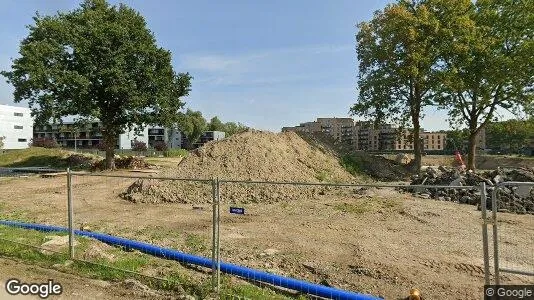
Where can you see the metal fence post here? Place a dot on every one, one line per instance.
(485, 241)
(218, 185)
(213, 237)
(70, 212)
(495, 237)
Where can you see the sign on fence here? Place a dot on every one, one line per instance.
(237, 210)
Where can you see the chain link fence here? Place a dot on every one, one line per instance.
(273, 240)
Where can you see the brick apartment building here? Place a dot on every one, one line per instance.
(366, 136)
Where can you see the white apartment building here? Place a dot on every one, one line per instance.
(16, 126)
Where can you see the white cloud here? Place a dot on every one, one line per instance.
(272, 66)
(217, 62)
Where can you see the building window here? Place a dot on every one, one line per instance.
(18, 114)
(18, 127)
(22, 140)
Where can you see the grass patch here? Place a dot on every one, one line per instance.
(352, 164)
(195, 243)
(175, 277)
(230, 291)
(176, 153)
(34, 157)
(322, 176)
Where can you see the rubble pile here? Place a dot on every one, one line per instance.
(515, 199)
(123, 162)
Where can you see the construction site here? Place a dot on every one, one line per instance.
(357, 234)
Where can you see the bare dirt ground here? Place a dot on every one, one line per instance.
(74, 287)
(376, 241)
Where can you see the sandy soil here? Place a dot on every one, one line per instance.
(376, 241)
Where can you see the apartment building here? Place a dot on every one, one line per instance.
(366, 136)
(16, 126)
(172, 137)
(209, 136)
(338, 128)
(87, 135)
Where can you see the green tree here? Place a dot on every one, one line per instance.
(192, 124)
(457, 140)
(510, 135)
(487, 64)
(216, 125)
(2, 138)
(98, 61)
(231, 128)
(397, 57)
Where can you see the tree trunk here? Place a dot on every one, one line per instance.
(109, 140)
(471, 151)
(417, 145)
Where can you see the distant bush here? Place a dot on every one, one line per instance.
(175, 153)
(79, 161)
(139, 146)
(44, 142)
(352, 164)
(161, 146)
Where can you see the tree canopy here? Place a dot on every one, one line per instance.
(510, 136)
(487, 64)
(469, 58)
(216, 125)
(397, 54)
(192, 124)
(98, 61)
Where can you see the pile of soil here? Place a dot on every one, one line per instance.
(509, 198)
(250, 156)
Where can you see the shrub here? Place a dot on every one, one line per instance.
(175, 153)
(45, 142)
(161, 146)
(139, 146)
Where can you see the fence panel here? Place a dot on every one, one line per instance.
(29, 198)
(361, 238)
(147, 210)
(513, 233)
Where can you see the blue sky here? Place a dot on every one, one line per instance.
(266, 64)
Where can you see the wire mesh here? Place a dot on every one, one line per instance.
(32, 198)
(362, 238)
(173, 214)
(515, 234)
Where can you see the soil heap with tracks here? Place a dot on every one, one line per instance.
(249, 156)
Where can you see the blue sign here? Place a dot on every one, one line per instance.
(237, 210)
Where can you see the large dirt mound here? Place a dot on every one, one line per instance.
(252, 156)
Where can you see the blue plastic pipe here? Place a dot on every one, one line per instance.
(248, 273)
